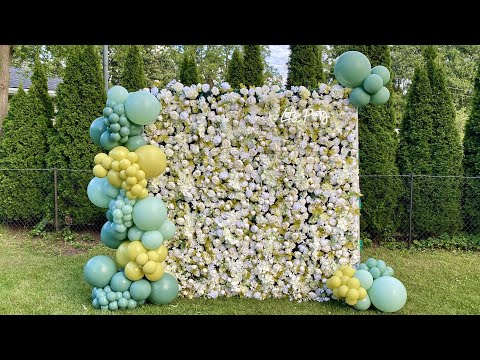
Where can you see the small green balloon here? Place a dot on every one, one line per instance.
(132, 304)
(168, 230)
(351, 68)
(111, 296)
(95, 304)
(107, 111)
(152, 240)
(107, 289)
(372, 83)
(111, 103)
(359, 97)
(375, 272)
(115, 137)
(119, 109)
(108, 237)
(388, 294)
(124, 131)
(365, 278)
(117, 93)
(371, 262)
(120, 282)
(140, 289)
(104, 307)
(388, 271)
(381, 265)
(383, 72)
(114, 128)
(134, 233)
(113, 306)
(106, 143)
(149, 213)
(134, 142)
(381, 97)
(102, 301)
(122, 303)
(135, 129)
(363, 304)
(164, 290)
(363, 266)
(142, 108)
(126, 295)
(96, 130)
(123, 121)
(113, 119)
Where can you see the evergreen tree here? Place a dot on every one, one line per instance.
(188, 69)
(133, 78)
(252, 65)
(39, 90)
(80, 98)
(305, 66)
(235, 75)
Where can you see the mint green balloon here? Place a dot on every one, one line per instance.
(142, 108)
(149, 213)
(135, 129)
(134, 142)
(140, 289)
(375, 272)
(118, 94)
(106, 142)
(96, 193)
(363, 304)
(152, 240)
(371, 262)
(134, 233)
(96, 130)
(381, 97)
(110, 190)
(95, 304)
(120, 282)
(108, 236)
(99, 270)
(365, 278)
(383, 72)
(351, 68)
(111, 296)
(164, 290)
(168, 230)
(362, 266)
(388, 294)
(381, 266)
(132, 304)
(388, 271)
(372, 83)
(359, 97)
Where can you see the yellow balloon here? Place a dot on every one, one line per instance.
(351, 302)
(136, 189)
(132, 157)
(154, 256)
(124, 164)
(143, 183)
(121, 254)
(338, 273)
(135, 165)
(114, 178)
(134, 249)
(140, 175)
(362, 293)
(344, 279)
(335, 282)
(142, 259)
(99, 171)
(353, 294)
(349, 271)
(119, 152)
(152, 160)
(342, 291)
(150, 267)
(143, 194)
(123, 174)
(133, 271)
(131, 171)
(353, 283)
(99, 157)
(131, 180)
(107, 162)
(125, 186)
(130, 195)
(342, 267)
(335, 293)
(116, 165)
(157, 274)
(163, 252)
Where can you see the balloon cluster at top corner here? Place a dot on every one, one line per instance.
(123, 119)
(352, 69)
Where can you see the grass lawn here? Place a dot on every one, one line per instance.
(40, 276)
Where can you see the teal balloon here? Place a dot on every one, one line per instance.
(102, 301)
(126, 295)
(119, 109)
(111, 103)
(381, 266)
(114, 128)
(134, 233)
(118, 94)
(118, 295)
(363, 304)
(365, 278)
(117, 235)
(110, 190)
(106, 143)
(372, 83)
(96, 194)
(111, 296)
(99, 270)
(100, 293)
(149, 213)
(168, 230)
(375, 272)
(383, 72)
(104, 307)
(164, 290)
(359, 97)
(107, 289)
(388, 271)
(140, 290)
(152, 240)
(113, 305)
(124, 131)
(142, 108)
(122, 303)
(134, 142)
(107, 111)
(371, 262)
(381, 97)
(107, 236)
(115, 137)
(351, 68)
(135, 129)
(96, 130)
(141, 302)
(123, 121)
(388, 294)
(132, 304)
(362, 266)
(120, 282)
(95, 304)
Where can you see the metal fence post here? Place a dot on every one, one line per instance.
(410, 213)
(55, 185)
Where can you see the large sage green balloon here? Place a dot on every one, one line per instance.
(388, 294)
(134, 233)
(363, 304)
(96, 130)
(359, 97)
(371, 262)
(120, 282)
(96, 193)
(135, 129)
(118, 94)
(152, 240)
(164, 290)
(142, 108)
(383, 72)
(372, 83)
(99, 270)
(351, 68)
(134, 142)
(140, 289)
(381, 97)
(365, 278)
(110, 190)
(106, 143)
(108, 236)
(149, 213)
(168, 230)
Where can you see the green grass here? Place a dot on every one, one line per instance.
(36, 278)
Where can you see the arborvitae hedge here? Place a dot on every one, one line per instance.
(39, 90)
(133, 77)
(253, 65)
(305, 66)
(235, 75)
(188, 69)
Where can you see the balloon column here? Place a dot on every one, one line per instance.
(137, 224)
(385, 292)
(352, 69)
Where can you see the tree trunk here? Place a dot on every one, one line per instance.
(5, 57)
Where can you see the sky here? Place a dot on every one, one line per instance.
(278, 58)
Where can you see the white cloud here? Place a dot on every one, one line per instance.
(278, 58)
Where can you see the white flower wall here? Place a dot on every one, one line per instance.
(264, 206)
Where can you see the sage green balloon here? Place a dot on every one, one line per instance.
(383, 72)
(142, 108)
(388, 294)
(164, 290)
(134, 233)
(363, 304)
(168, 230)
(381, 265)
(140, 289)
(110, 190)
(96, 193)
(362, 266)
(135, 129)
(372, 83)
(106, 142)
(365, 278)
(118, 94)
(99, 270)
(381, 97)
(359, 97)
(134, 142)
(388, 271)
(120, 282)
(152, 240)
(96, 130)
(371, 262)
(108, 236)
(351, 68)
(375, 272)
(149, 213)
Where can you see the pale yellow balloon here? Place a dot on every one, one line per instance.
(131, 180)
(334, 282)
(116, 165)
(124, 164)
(125, 186)
(157, 274)
(136, 189)
(130, 195)
(131, 171)
(154, 256)
(121, 255)
(135, 165)
(353, 294)
(132, 157)
(143, 194)
(351, 302)
(134, 249)
(349, 271)
(150, 267)
(123, 174)
(163, 252)
(152, 160)
(342, 291)
(140, 175)
(362, 293)
(107, 162)
(99, 171)
(114, 178)
(344, 279)
(119, 152)
(353, 283)
(342, 267)
(335, 292)
(143, 183)
(99, 157)
(133, 271)
(338, 273)
(142, 259)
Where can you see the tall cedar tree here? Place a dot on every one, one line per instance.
(133, 77)
(80, 100)
(253, 65)
(235, 75)
(188, 69)
(471, 163)
(39, 90)
(305, 66)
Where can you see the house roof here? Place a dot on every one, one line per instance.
(17, 76)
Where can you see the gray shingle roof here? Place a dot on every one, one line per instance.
(17, 76)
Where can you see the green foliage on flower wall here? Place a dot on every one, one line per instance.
(133, 77)
(235, 75)
(305, 66)
(188, 69)
(253, 65)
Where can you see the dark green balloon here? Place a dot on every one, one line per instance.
(381, 97)
(106, 143)
(134, 142)
(383, 72)
(164, 290)
(351, 68)
(372, 84)
(96, 130)
(359, 97)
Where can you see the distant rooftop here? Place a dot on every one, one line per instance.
(17, 76)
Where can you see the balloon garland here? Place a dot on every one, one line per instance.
(137, 224)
